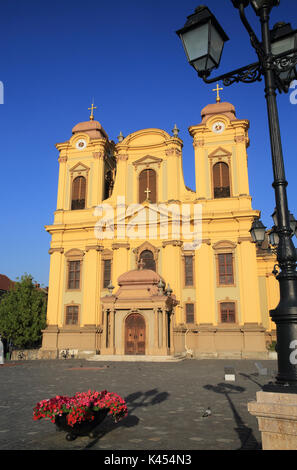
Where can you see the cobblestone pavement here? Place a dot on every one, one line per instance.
(166, 402)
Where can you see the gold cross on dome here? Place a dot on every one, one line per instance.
(147, 192)
(218, 89)
(92, 111)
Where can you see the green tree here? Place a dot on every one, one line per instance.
(23, 313)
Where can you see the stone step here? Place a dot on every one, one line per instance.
(138, 358)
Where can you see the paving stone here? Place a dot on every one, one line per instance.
(154, 393)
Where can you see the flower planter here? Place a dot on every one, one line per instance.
(81, 414)
(84, 428)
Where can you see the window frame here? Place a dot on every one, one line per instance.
(156, 184)
(107, 255)
(229, 179)
(189, 302)
(228, 301)
(75, 325)
(224, 284)
(184, 256)
(225, 247)
(74, 255)
(79, 170)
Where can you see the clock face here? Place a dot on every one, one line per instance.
(81, 144)
(218, 127)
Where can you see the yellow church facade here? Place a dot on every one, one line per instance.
(126, 278)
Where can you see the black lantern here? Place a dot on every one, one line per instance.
(259, 4)
(273, 237)
(293, 222)
(274, 217)
(283, 40)
(258, 232)
(203, 39)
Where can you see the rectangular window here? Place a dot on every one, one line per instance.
(72, 315)
(106, 272)
(189, 276)
(225, 269)
(189, 313)
(74, 275)
(227, 312)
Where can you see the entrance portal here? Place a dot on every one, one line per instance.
(135, 334)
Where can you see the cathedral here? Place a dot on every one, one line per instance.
(126, 278)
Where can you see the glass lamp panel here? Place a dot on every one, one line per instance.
(253, 236)
(293, 223)
(283, 45)
(274, 218)
(210, 64)
(260, 234)
(273, 238)
(200, 64)
(195, 42)
(216, 45)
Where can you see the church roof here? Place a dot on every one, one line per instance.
(218, 108)
(5, 283)
(92, 128)
(139, 276)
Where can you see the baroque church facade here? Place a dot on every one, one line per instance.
(153, 293)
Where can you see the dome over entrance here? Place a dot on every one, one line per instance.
(139, 276)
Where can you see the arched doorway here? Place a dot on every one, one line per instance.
(135, 334)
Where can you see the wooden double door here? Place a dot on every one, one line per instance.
(135, 334)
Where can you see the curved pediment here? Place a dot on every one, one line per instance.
(147, 137)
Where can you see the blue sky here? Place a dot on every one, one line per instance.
(56, 56)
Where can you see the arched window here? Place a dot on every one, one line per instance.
(148, 186)
(221, 180)
(147, 257)
(78, 200)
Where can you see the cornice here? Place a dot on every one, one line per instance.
(56, 250)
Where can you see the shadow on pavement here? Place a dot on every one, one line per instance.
(134, 401)
(245, 434)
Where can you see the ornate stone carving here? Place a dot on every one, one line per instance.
(239, 139)
(94, 247)
(198, 143)
(98, 155)
(122, 157)
(172, 242)
(116, 246)
(54, 250)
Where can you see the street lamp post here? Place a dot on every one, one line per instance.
(277, 59)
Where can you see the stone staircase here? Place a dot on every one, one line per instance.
(138, 358)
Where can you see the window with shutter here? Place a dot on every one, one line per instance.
(78, 199)
(227, 312)
(189, 313)
(221, 180)
(71, 315)
(189, 276)
(225, 269)
(148, 186)
(106, 272)
(74, 274)
(148, 259)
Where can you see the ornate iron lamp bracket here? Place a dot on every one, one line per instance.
(249, 74)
